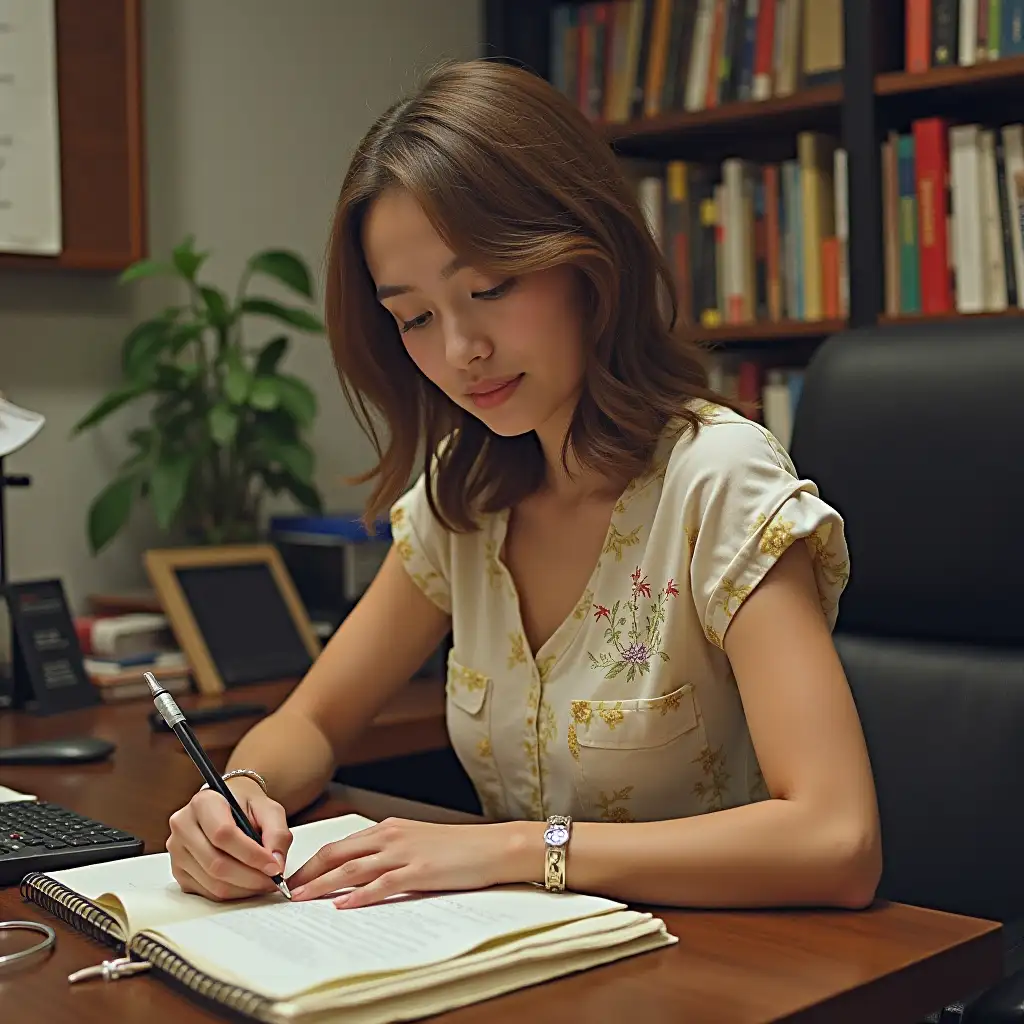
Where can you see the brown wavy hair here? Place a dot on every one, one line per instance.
(514, 179)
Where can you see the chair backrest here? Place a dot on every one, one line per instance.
(916, 435)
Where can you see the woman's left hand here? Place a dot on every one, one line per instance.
(401, 856)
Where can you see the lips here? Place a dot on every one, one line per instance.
(489, 387)
(493, 393)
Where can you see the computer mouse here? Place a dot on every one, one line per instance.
(69, 750)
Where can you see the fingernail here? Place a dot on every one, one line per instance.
(298, 892)
(342, 900)
(279, 857)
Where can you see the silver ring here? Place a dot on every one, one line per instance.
(48, 942)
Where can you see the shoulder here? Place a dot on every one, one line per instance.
(727, 448)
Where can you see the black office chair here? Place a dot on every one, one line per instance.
(915, 434)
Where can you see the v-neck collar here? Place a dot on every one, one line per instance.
(558, 643)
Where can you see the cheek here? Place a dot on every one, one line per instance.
(425, 357)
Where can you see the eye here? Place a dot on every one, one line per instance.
(417, 321)
(497, 291)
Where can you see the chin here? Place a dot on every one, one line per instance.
(505, 424)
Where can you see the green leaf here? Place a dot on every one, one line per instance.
(264, 396)
(237, 384)
(187, 260)
(304, 493)
(106, 406)
(182, 335)
(167, 484)
(218, 311)
(286, 267)
(144, 268)
(296, 458)
(109, 511)
(300, 318)
(270, 355)
(295, 396)
(223, 424)
(144, 343)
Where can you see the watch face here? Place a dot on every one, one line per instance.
(556, 835)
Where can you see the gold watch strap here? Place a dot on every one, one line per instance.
(555, 857)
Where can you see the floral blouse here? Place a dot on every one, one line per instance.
(630, 711)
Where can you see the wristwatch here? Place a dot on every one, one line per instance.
(556, 845)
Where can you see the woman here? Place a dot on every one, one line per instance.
(640, 589)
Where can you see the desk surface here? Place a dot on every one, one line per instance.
(889, 963)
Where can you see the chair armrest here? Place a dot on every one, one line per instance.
(1003, 1003)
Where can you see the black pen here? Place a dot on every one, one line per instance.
(175, 719)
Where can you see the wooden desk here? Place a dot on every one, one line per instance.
(890, 963)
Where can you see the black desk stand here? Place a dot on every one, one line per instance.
(7, 642)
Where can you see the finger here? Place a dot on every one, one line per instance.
(391, 883)
(272, 823)
(192, 879)
(215, 864)
(213, 816)
(352, 872)
(334, 855)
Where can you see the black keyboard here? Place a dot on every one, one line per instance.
(37, 836)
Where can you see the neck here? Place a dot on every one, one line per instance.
(569, 480)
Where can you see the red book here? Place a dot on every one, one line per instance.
(919, 35)
(764, 40)
(931, 166)
(749, 388)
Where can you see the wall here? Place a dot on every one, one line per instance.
(253, 109)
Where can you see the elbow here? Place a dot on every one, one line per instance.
(855, 857)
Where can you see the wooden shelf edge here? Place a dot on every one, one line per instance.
(678, 122)
(950, 318)
(894, 83)
(764, 331)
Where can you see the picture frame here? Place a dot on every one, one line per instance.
(167, 567)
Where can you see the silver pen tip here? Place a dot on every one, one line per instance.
(155, 688)
(283, 886)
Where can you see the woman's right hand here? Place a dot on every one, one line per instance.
(212, 857)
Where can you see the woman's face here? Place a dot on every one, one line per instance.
(509, 351)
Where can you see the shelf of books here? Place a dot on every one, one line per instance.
(732, 108)
(958, 44)
(952, 199)
(632, 64)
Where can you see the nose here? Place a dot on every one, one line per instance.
(465, 344)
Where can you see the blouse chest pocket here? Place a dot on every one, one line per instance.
(639, 760)
(468, 714)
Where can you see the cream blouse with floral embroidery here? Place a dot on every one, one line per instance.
(630, 711)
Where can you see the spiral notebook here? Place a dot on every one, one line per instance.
(271, 960)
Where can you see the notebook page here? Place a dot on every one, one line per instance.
(285, 949)
(141, 891)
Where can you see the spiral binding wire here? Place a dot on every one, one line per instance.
(72, 909)
(242, 1000)
(83, 916)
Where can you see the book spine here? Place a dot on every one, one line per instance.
(179, 972)
(932, 173)
(918, 35)
(67, 906)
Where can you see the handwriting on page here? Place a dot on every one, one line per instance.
(284, 949)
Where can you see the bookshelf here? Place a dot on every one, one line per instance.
(932, 81)
(736, 115)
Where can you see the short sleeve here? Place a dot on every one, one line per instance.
(744, 506)
(423, 544)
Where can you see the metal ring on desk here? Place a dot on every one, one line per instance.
(47, 944)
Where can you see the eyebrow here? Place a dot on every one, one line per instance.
(387, 291)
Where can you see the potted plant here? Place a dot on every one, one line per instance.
(226, 426)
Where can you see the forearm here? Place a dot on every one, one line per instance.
(291, 753)
(770, 853)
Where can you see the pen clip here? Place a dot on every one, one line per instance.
(110, 970)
